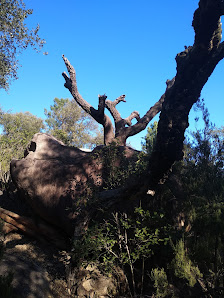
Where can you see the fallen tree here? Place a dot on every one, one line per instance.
(56, 180)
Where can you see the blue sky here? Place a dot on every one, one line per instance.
(116, 46)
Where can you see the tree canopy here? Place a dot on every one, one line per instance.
(15, 36)
(69, 123)
(17, 131)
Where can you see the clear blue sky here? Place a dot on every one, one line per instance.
(116, 46)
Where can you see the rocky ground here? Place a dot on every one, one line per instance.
(39, 270)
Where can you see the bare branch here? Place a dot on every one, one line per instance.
(134, 115)
(101, 105)
(68, 82)
(71, 84)
(119, 99)
(98, 115)
(120, 123)
(142, 122)
(111, 106)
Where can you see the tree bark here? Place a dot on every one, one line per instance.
(98, 115)
(194, 67)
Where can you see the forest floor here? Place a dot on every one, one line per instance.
(39, 270)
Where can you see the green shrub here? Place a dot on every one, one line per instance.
(123, 241)
(160, 280)
(183, 266)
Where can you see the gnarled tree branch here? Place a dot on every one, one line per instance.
(111, 106)
(98, 115)
(122, 132)
(119, 121)
(134, 115)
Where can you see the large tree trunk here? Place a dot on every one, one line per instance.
(58, 181)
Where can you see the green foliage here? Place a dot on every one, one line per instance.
(150, 138)
(161, 284)
(17, 131)
(202, 177)
(199, 254)
(116, 167)
(203, 180)
(15, 36)
(122, 241)
(183, 266)
(73, 126)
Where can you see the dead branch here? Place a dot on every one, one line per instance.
(98, 115)
(134, 115)
(119, 121)
(122, 132)
(111, 106)
(150, 114)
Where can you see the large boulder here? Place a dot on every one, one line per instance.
(54, 179)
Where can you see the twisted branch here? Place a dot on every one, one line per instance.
(98, 115)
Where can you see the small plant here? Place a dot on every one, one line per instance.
(160, 280)
(183, 266)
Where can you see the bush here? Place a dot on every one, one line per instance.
(160, 280)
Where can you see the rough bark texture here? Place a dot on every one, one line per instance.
(98, 114)
(123, 128)
(194, 67)
(55, 179)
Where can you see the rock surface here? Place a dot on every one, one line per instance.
(38, 270)
(91, 282)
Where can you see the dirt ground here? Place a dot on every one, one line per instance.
(39, 270)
